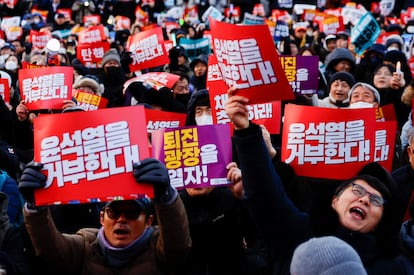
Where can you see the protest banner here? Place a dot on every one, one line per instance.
(331, 25)
(250, 19)
(281, 15)
(353, 13)
(46, 88)
(281, 31)
(14, 33)
(213, 13)
(12, 21)
(232, 13)
(92, 45)
(385, 113)
(302, 73)
(155, 80)
(195, 156)
(195, 47)
(385, 135)
(92, 34)
(157, 119)
(5, 90)
(386, 7)
(248, 60)
(147, 49)
(267, 114)
(91, 54)
(365, 32)
(88, 156)
(328, 143)
(39, 39)
(89, 102)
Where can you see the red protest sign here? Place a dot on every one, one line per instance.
(46, 88)
(268, 114)
(248, 60)
(88, 156)
(92, 53)
(328, 143)
(385, 113)
(331, 25)
(122, 23)
(39, 39)
(90, 102)
(5, 90)
(385, 135)
(157, 119)
(147, 49)
(156, 80)
(92, 34)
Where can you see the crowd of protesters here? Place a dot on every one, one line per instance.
(258, 223)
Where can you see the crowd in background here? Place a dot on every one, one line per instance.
(238, 229)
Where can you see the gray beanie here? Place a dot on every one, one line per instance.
(367, 86)
(111, 54)
(326, 256)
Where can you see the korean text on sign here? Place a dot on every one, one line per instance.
(45, 87)
(329, 143)
(242, 64)
(92, 153)
(186, 161)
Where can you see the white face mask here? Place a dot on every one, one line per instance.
(361, 104)
(204, 120)
(11, 65)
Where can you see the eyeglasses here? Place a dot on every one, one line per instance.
(129, 214)
(360, 191)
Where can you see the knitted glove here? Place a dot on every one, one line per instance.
(152, 171)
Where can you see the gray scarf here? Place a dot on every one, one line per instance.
(118, 257)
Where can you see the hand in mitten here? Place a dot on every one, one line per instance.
(126, 60)
(152, 171)
(31, 180)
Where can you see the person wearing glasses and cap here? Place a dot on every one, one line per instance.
(127, 242)
(359, 211)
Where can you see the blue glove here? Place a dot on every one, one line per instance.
(30, 180)
(152, 171)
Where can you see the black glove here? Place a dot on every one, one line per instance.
(152, 171)
(126, 60)
(28, 47)
(30, 180)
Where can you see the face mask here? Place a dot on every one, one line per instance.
(204, 120)
(113, 70)
(361, 104)
(36, 20)
(183, 98)
(11, 65)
